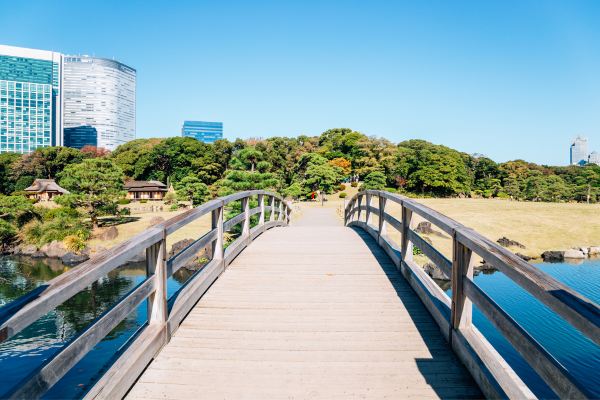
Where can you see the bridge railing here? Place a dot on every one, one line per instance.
(164, 315)
(454, 316)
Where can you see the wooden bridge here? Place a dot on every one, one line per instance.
(318, 310)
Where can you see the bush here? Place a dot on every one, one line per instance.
(143, 201)
(124, 212)
(123, 201)
(503, 195)
(391, 190)
(342, 195)
(60, 227)
(416, 251)
(170, 198)
(33, 201)
(342, 187)
(64, 211)
(354, 184)
(73, 243)
(174, 207)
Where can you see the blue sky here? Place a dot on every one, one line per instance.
(509, 79)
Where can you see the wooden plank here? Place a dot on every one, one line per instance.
(393, 222)
(183, 257)
(564, 384)
(115, 382)
(182, 301)
(36, 383)
(438, 219)
(28, 308)
(173, 224)
(233, 221)
(435, 256)
(577, 310)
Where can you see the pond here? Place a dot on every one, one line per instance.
(573, 350)
(29, 348)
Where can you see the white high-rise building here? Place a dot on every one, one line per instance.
(594, 158)
(579, 150)
(30, 99)
(99, 102)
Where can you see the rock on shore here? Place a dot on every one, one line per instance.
(574, 254)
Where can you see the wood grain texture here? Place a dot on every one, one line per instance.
(308, 312)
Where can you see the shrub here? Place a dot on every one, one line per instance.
(64, 211)
(174, 207)
(354, 184)
(503, 195)
(73, 243)
(416, 251)
(59, 228)
(123, 201)
(391, 190)
(125, 211)
(143, 201)
(342, 195)
(342, 187)
(170, 198)
(33, 201)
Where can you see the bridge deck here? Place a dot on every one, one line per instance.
(308, 312)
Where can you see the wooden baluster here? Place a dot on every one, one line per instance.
(462, 266)
(280, 217)
(407, 224)
(246, 224)
(272, 205)
(382, 212)
(217, 245)
(369, 215)
(261, 217)
(359, 204)
(290, 213)
(156, 264)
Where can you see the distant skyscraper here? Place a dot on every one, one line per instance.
(579, 150)
(99, 102)
(594, 158)
(206, 132)
(30, 99)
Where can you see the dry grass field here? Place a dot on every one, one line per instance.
(538, 226)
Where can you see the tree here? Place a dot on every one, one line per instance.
(93, 184)
(344, 164)
(23, 183)
(7, 184)
(374, 181)
(535, 186)
(192, 188)
(15, 211)
(170, 198)
(250, 155)
(512, 188)
(588, 177)
(294, 190)
(95, 152)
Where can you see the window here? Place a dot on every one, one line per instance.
(25, 95)
(3, 92)
(19, 86)
(3, 85)
(11, 85)
(32, 88)
(26, 86)
(11, 93)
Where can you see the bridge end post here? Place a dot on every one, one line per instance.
(156, 264)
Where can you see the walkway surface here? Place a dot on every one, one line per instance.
(308, 312)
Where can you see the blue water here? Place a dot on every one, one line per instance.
(21, 354)
(572, 349)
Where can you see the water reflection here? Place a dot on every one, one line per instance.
(29, 348)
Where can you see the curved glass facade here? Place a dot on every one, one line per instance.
(99, 97)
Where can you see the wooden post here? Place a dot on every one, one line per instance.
(217, 245)
(290, 213)
(359, 204)
(407, 225)
(462, 266)
(382, 211)
(280, 217)
(272, 205)
(246, 224)
(156, 264)
(369, 215)
(261, 217)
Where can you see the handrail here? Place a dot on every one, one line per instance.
(454, 317)
(164, 316)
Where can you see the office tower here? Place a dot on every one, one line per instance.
(579, 150)
(594, 158)
(30, 99)
(99, 102)
(206, 132)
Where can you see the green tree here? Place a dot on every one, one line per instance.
(251, 156)
(588, 177)
(512, 187)
(94, 183)
(7, 183)
(15, 211)
(374, 181)
(191, 187)
(23, 183)
(535, 186)
(318, 175)
(294, 190)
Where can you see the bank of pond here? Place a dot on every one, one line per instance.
(30, 347)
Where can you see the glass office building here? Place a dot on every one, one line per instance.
(579, 150)
(30, 99)
(99, 102)
(206, 132)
